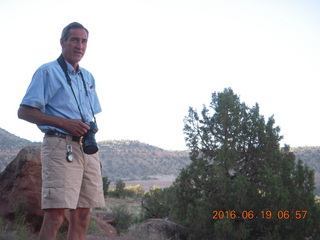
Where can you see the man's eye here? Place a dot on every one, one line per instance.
(74, 40)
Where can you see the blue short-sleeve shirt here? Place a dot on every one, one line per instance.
(50, 92)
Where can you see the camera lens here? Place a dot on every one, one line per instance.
(90, 149)
(90, 145)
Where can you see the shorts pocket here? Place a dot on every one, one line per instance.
(51, 145)
(50, 189)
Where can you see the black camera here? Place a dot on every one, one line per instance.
(89, 143)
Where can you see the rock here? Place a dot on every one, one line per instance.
(103, 224)
(20, 186)
(156, 228)
(21, 181)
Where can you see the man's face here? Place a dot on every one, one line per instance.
(74, 48)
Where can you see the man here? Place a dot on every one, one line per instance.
(71, 179)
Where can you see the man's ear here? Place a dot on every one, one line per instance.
(61, 41)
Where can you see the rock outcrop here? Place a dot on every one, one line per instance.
(156, 228)
(20, 186)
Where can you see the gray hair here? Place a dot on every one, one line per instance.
(66, 30)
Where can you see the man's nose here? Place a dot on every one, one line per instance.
(82, 45)
(79, 45)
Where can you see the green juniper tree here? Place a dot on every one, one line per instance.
(240, 176)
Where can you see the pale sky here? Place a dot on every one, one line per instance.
(152, 59)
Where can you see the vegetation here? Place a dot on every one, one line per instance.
(18, 230)
(106, 184)
(240, 183)
(123, 218)
(156, 203)
(121, 191)
(124, 215)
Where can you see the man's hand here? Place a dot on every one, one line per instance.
(75, 127)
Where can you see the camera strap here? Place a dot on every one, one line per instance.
(63, 65)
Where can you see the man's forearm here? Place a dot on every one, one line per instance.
(34, 115)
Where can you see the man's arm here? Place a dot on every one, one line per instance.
(34, 115)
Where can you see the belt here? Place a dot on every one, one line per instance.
(62, 135)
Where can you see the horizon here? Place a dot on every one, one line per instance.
(130, 140)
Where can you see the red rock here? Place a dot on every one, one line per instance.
(20, 186)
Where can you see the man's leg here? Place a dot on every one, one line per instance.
(52, 220)
(79, 223)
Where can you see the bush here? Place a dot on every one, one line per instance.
(134, 191)
(156, 203)
(122, 217)
(106, 184)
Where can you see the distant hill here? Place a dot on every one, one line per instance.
(10, 145)
(9, 141)
(310, 155)
(133, 160)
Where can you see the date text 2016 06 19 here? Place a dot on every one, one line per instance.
(250, 214)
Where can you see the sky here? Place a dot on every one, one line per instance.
(153, 59)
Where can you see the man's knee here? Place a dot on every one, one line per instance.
(85, 220)
(81, 217)
(54, 218)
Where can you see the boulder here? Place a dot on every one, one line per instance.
(156, 228)
(20, 186)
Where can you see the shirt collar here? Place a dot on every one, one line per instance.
(71, 69)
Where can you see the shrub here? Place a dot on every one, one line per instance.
(122, 217)
(156, 203)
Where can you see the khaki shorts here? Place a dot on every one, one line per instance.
(71, 185)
